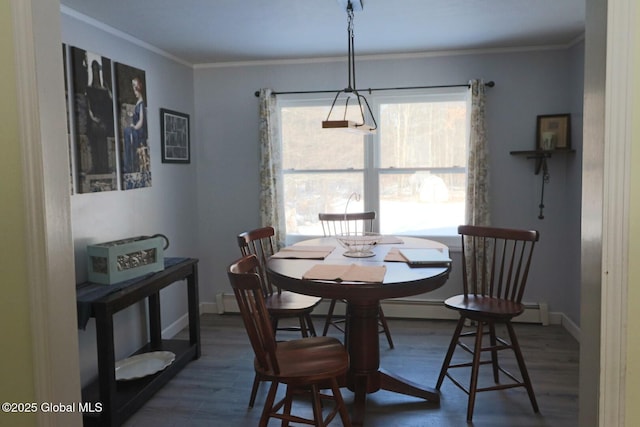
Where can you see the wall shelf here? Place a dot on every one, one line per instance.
(540, 157)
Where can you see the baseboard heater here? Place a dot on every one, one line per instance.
(399, 308)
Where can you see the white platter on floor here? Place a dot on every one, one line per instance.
(143, 364)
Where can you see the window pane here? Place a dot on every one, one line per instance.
(429, 138)
(305, 145)
(418, 160)
(423, 134)
(308, 194)
(422, 203)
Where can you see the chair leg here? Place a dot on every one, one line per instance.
(450, 351)
(317, 405)
(347, 316)
(522, 366)
(288, 402)
(385, 326)
(342, 408)
(268, 404)
(475, 368)
(310, 327)
(303, 325)
(494, 353)
(254, 390)
(327, 321)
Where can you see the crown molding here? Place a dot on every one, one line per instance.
(388, 56)
(122, 35)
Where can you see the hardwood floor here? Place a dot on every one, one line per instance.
(214, 390)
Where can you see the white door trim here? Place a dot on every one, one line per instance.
(50, 257)
(621, 30)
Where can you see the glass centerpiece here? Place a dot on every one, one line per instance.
(359, 244)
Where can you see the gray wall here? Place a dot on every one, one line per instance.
(528, 84)
(167, 207)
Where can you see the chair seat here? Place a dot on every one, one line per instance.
(483, 307)
(290, 303)
(308, 360)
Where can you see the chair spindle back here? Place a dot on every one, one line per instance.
(496, 260)
(335, 224)
(259, 242)
(247, 288)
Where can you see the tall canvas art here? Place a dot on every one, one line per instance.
(132, 119)
(94, 121)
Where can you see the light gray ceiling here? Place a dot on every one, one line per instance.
(209, 31)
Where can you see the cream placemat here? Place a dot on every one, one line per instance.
(347, 273)
(394, 254)
(390, 240)
(304, 252)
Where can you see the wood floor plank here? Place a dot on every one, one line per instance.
(214, 390)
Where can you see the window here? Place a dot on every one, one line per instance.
(412, 172)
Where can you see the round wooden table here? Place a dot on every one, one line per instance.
(363, 300)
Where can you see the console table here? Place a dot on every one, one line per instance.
(120, 399)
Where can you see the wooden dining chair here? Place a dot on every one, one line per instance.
(334, 224)
(280, 304)
(495, 267)
(305, 365)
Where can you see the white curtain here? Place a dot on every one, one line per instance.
(477, 211)
(271, 189)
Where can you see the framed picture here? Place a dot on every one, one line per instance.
(175, 137)
(553, 132)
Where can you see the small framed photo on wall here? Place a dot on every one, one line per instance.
(175, 137)
(553, 132)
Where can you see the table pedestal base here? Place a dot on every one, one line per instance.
(364, 375)
(396, 384)
(387, 381)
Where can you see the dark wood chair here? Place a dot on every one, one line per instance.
(306, 365)
(495, 266)
(280, 304)
(334, 224)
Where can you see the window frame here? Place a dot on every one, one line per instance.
(372, 146)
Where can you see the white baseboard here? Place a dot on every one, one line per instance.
(570, 326)
(181, 323)
(410, 309)
(171, 330)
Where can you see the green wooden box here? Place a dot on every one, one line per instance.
(120, 260)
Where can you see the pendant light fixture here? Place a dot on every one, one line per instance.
(351, 92)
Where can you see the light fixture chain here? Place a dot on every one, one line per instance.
(351, 53)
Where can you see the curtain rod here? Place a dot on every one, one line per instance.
(490, 83)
